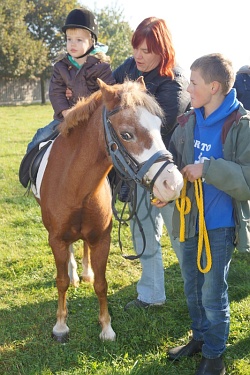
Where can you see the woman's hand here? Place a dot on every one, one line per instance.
(157, 203)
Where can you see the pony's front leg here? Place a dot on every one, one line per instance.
(61, 330)
(87, 273)
(99, 263)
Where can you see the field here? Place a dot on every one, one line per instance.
(28, 296)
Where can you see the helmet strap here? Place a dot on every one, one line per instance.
(86, 53)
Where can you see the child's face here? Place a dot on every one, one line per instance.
(200, 92)
(78, 41)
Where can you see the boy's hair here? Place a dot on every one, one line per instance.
(159, 41)
(216, 67)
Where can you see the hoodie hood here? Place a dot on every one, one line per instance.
(244, 69)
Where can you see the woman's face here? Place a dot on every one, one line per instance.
(145, 61)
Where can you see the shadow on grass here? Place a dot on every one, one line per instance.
(29, 349)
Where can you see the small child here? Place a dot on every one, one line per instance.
(211, 143)
(85, 61)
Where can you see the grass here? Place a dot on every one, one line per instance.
(28, 296)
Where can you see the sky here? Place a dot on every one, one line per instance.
(198, 27)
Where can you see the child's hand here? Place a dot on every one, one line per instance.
(65, 112)
(68, 93)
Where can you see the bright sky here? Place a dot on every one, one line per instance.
(198, 27)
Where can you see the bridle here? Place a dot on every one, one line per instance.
(125, 165)
(130, 171)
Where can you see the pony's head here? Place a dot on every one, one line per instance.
(136, 118)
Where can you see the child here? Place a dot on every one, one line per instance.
(212, 143)
(77, 70)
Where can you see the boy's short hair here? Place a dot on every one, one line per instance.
(216, 67)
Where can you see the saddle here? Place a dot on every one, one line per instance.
(31, 161)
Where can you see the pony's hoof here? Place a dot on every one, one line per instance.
(87, 278)
(108, 335)
(75, 283)
(62, 339)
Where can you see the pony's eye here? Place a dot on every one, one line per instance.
(126, 136)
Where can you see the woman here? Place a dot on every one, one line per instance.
(154, 59)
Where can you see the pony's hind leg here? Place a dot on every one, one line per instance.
(72, 268)
(87, 273)
(99, 261)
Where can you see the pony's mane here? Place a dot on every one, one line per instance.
(81, 112)
(131, 94)
(134, 94)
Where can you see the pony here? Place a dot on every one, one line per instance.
(75, 195)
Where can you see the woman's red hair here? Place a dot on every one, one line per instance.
(159, 41)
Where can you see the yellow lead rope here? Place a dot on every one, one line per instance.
(183, 204)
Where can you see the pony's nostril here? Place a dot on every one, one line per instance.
(167, 185)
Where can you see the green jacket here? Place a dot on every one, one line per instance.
(231, 174)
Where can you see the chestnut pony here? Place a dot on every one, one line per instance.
(75, 196)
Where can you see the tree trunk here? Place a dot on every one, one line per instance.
(43, 99)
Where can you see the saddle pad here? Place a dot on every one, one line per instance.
(36, 188)
(27, 161)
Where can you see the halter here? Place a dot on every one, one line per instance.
(130, 171)
(126, 166)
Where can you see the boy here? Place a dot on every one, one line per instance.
(77, 70)
(212, 143)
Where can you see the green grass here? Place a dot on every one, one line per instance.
(28, 296)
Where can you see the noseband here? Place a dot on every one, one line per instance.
(125, 165)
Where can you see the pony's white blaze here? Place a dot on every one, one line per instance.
(169, 183)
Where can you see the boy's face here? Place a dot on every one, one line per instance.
(200, 92)
(78, 41)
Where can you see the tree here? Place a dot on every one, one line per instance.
(20, 54)
(31, 36)
(116, 33)
(44, 21)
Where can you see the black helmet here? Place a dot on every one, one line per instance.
(81, 19)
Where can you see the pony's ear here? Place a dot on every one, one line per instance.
(100, 83)
(141, 81)
(110, 94)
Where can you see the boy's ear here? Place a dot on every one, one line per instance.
(215, 85)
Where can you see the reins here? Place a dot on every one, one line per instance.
(132, 199)
(183, 204)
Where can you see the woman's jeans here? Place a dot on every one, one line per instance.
(151, 286)
(42, 134)
(207, 293)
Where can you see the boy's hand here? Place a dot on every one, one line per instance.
(192, 171)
